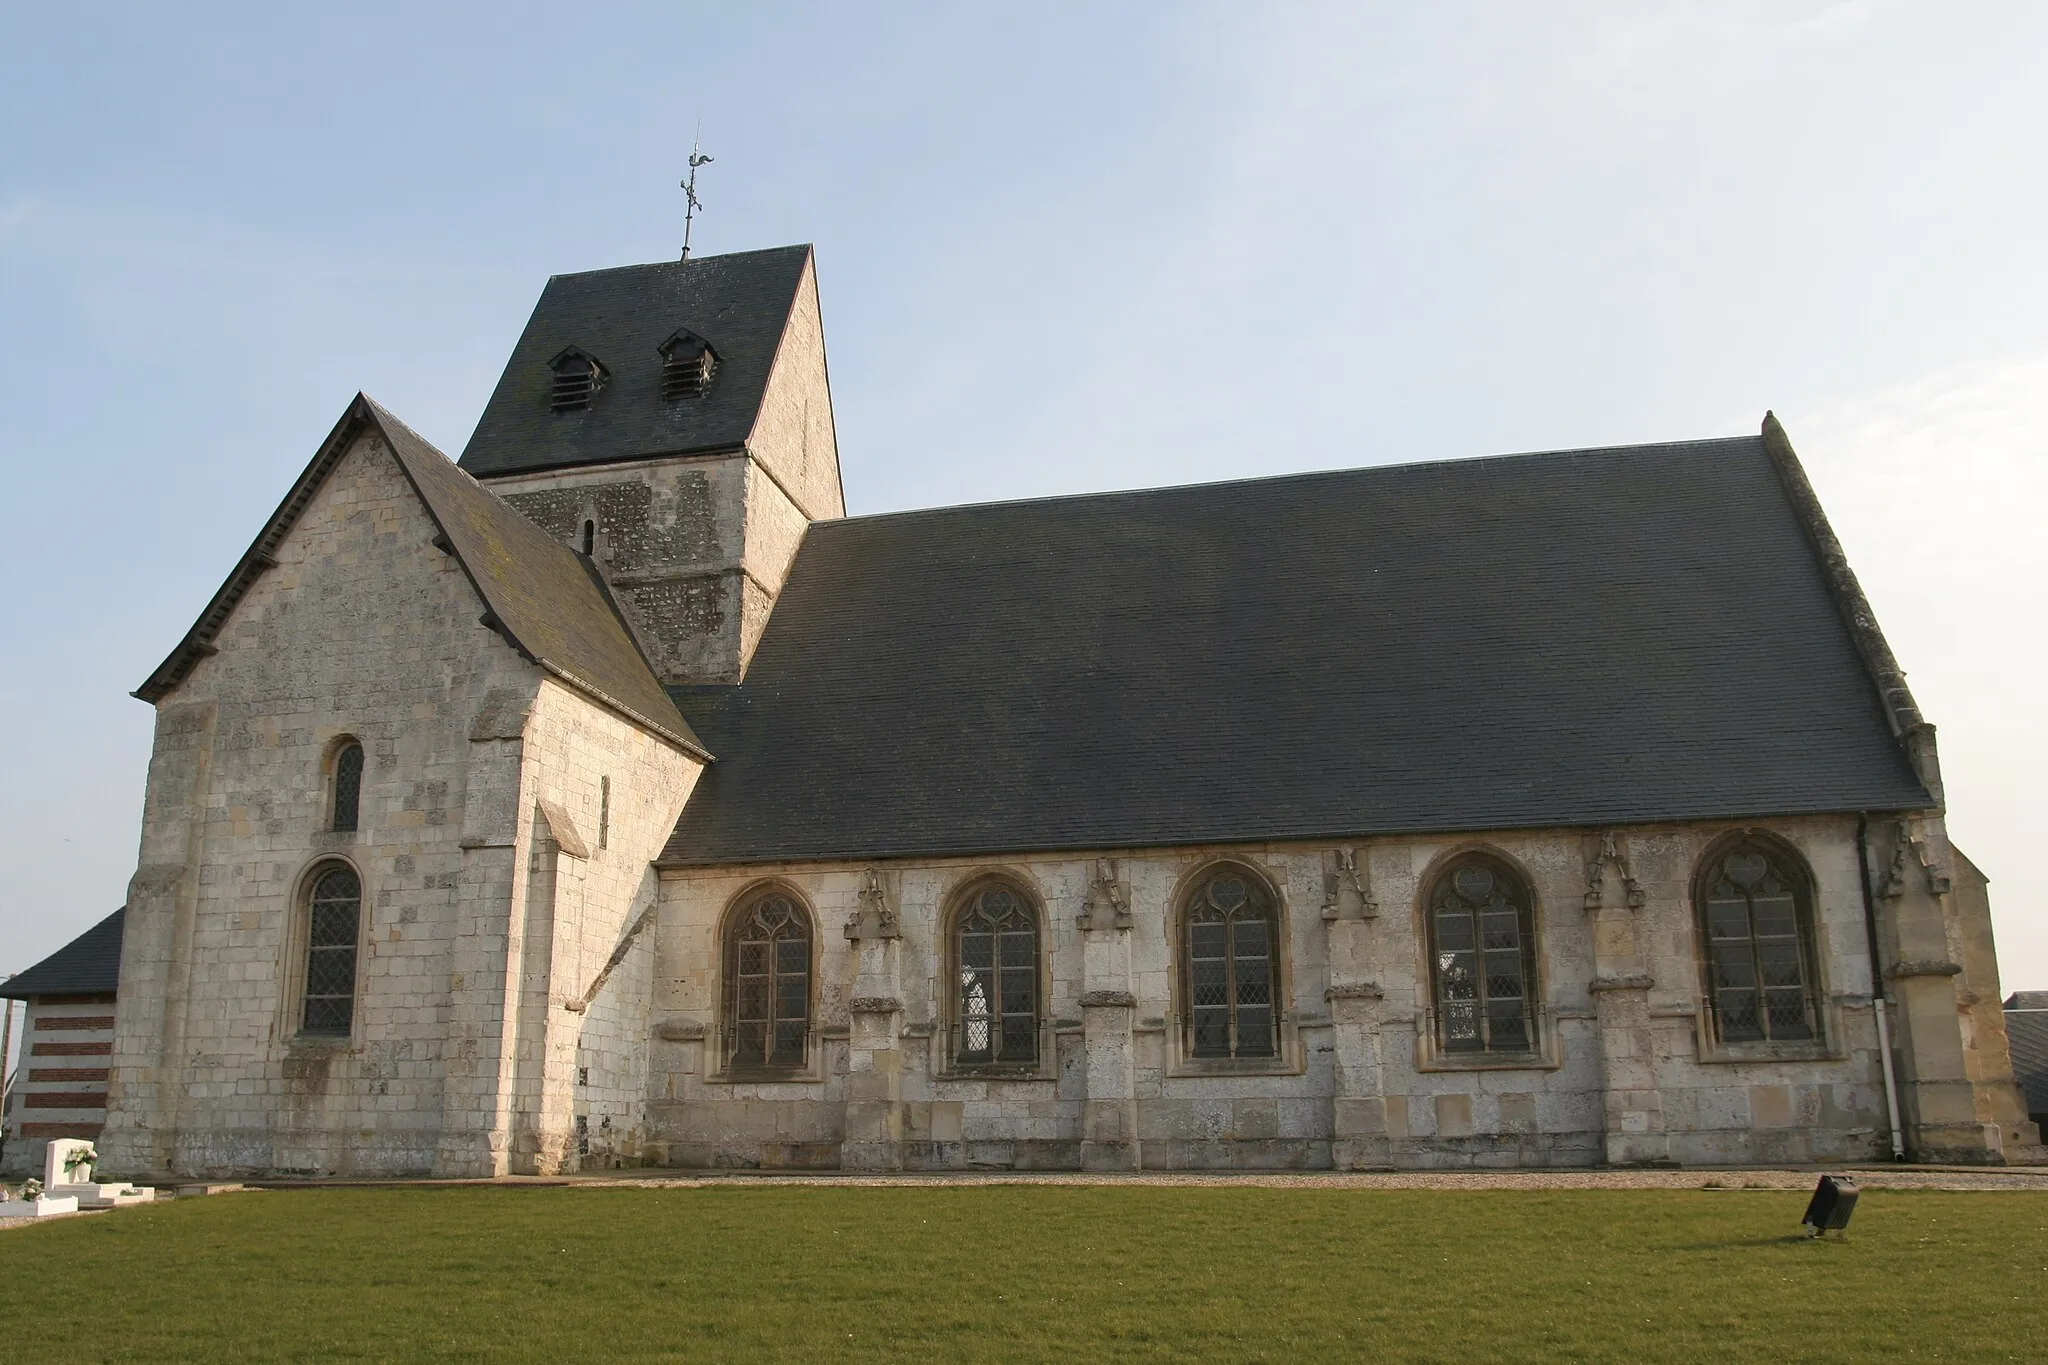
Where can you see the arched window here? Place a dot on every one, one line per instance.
(1482, 950)
(1756, 929)
(768, 982)
(348, 786)
(1230, 938)
(333, 919)
(589, 538)
(995, 963)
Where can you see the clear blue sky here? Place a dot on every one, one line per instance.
(1062, 247)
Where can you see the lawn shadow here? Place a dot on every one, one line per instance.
(1745, 1242)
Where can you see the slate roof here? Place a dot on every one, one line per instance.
(2027, 1031)
(739, 303)
(552, 604)
(543, 597)
(1636, 634)
(88, 965)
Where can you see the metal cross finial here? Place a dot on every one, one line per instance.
(697, 158)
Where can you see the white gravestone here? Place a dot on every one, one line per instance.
(67, 1172)
(33, 1203)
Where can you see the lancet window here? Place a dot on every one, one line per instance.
(1230, 940)
(1756, 927)
(768, 983)
(333, 923)
(995, 964)
(1482, 943)
(346, 800)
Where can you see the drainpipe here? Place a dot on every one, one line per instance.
(1879, 1008)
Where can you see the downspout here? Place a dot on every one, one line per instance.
(1879, 1007)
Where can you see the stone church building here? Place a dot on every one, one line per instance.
(610, 797)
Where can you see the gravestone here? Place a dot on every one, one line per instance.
(67, 1173)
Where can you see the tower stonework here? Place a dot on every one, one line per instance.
(691, 504)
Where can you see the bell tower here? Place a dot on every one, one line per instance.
(673, 423)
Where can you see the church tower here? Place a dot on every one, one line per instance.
(673, 424)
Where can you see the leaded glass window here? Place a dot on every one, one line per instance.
(996, 943)
(1755, 921)
(1482, 944)
(768, 983)
(1230, 971)
(334, 916)
(348, 786)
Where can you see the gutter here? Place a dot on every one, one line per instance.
(1880, 1008)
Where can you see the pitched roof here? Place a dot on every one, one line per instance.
(739, 303)
(544, 598)
(1624, 635)
(88, 965)
(2027, 1031)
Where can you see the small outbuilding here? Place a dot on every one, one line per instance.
(2026, 1027)
(67, 1042)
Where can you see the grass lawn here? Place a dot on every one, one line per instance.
(1029, 1273)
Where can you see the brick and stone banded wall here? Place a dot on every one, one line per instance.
(61, 1089)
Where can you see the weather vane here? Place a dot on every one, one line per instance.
(697, 158)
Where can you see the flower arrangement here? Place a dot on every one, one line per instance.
(31, 1190)
(81, 1156)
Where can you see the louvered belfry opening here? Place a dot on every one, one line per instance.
(577, 379)
(687, 363)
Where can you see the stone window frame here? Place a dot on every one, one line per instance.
(1290, 1056)
(1430, 1056)
(954, 905)
(1710, 1047)
(295, 942)
(330, 782)
(718, 1061)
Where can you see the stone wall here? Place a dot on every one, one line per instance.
(794, 437)
(364, 631)
(1627, 1069)
(670, 538)
(1987, 1052)
(605, 796)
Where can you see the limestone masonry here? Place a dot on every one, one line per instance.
(615, 800)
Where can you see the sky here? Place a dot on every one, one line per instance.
(1062, 248)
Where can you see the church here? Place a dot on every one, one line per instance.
(608, 797)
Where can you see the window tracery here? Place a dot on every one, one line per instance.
(768, 983)
(995, 963)
(1229, 938)
(1482, 943)
(1756, 916)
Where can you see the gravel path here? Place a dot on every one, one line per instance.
(1870, 1178)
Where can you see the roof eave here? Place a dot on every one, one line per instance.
(260, 557)
(1077, 847)
(706, 451)
(363, 414)
(504, 627)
